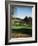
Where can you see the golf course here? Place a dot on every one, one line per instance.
(22, 29)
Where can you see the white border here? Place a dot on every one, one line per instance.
(33, 24)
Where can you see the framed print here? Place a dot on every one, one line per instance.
(21, 22)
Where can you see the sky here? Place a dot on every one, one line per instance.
(22, 12)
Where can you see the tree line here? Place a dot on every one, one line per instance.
(28, 19)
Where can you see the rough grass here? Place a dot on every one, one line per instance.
(23, 30)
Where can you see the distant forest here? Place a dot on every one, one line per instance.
(28, 19)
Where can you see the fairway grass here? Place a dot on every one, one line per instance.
(19, 27)
(22, 29)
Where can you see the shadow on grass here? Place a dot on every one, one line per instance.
(23, 30)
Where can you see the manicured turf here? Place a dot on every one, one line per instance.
(19, 27)
(25, 29)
